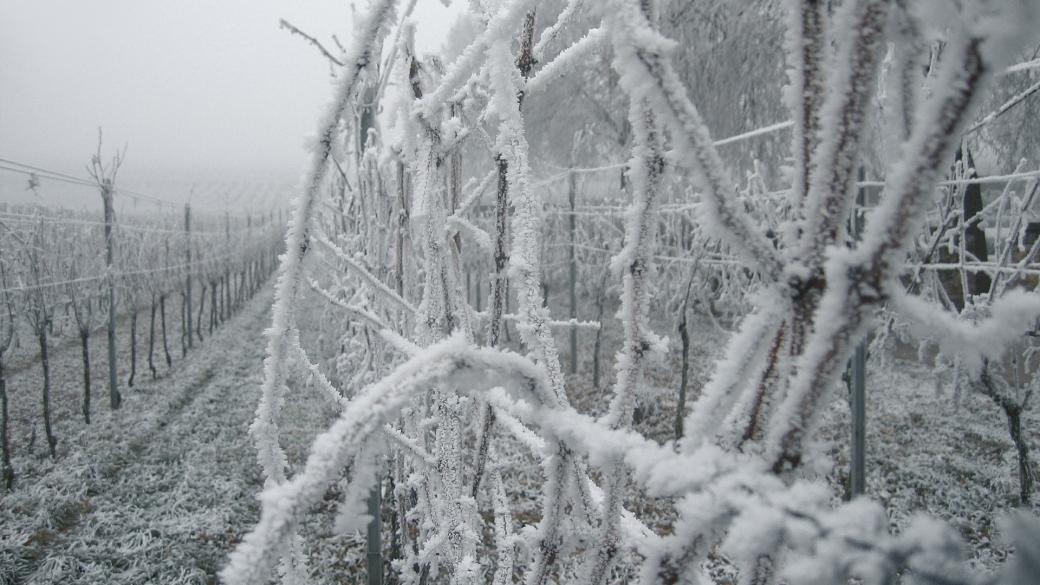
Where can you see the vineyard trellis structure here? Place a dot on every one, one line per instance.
(431, 399)
(84, 267)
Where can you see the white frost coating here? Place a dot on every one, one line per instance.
(314, 373)
(451, 361)
(461, 225)
(352, 513)
(504, 23)
(735, 495)
(902, 77)
(388, 69)
(359, 312)
(530, 439)
(264, 429)
(411, 446)
(632, 262)
(524, 272)
(505, 541)
(524, 258)
(550, 33)
(441, 311)
(394, 339)
(743, 352)
(803, 41)
(1010, 317)
(559, 324)
(567, 61)
(850, 83)
(656, 467)
(764, 130)
(474, 196)
(857, 280)
(637, 534)
(644, 60)
(397, 106)
(442, 308)
(398, 342)
(366, 276)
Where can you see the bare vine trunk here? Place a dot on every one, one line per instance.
(684, 377)
(151, 339)
(133, 346)
(202, 311)
(5, 445)
(214, 301)
(1026, 472)
(185, 324)
(52, 441)
(165, 345)
(84, 339)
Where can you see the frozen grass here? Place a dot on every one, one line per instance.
(927, 451)
(162, 490)
(157, 492)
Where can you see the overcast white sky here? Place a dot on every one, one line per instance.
(190, 85)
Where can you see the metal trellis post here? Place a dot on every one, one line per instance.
(857, 382)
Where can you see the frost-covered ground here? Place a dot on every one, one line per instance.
(927, 449)
(156, 492)
(931, 452)
(160, 491)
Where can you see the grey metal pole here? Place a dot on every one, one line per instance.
(374, 539)
(858, 375)
(858, 471)
(573, 272)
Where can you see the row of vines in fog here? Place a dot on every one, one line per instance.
(77, 274)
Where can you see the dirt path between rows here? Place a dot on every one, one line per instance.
(157, 492)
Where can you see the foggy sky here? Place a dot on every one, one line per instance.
(191, 86)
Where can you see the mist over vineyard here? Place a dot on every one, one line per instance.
(552, 291)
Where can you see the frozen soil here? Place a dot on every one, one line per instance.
(936, 451)
(157, 492)
(160, 491)
(929, 449)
